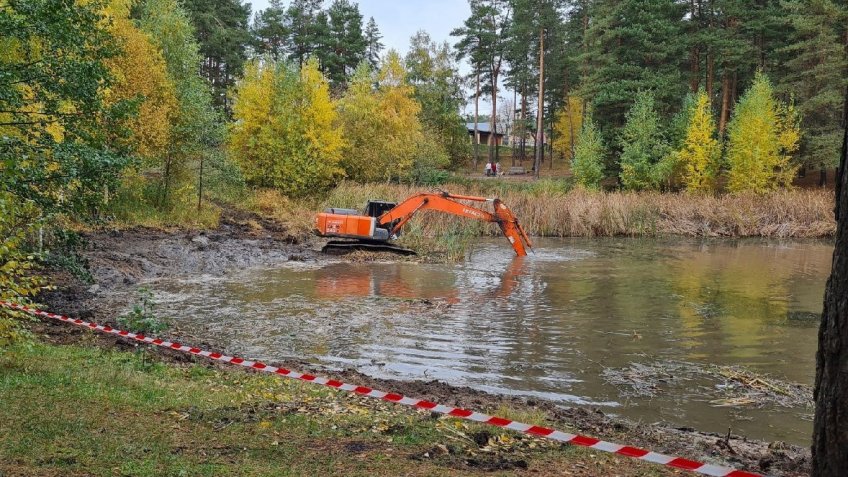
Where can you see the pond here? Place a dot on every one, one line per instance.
(555, 325)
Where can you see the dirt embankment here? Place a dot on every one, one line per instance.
(118, 259)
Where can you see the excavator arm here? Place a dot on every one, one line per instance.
(448, 203)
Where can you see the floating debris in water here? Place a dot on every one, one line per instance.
(724, 386)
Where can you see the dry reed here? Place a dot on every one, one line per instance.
(554, 212)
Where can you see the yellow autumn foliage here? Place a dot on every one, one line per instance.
(250, 137)
(381, 125)
(285, 133)
(10, 55)
(139, 73)
(569, 122)
(701, 153)
(762, 136)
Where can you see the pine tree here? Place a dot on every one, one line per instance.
(632, 46)
(223, 33)
(269, 31)
(701, 153)
(816, 73)
(642, 145)
(534, 46)
(483, 41)
(322, 43)
(830, 442)
(587, 165)
(300, 21)
(347, 45)
(373, 47)
(521, 56)
(762, 136)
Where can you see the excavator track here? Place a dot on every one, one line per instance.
(341, 247)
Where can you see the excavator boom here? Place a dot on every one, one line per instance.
(384, 221)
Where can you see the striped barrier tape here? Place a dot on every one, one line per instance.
(559, 436)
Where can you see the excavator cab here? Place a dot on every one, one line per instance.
(376, 208)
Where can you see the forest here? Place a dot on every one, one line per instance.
(126, 111)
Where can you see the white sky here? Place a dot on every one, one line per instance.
(398, 20)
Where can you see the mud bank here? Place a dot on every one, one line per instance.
(120, 259)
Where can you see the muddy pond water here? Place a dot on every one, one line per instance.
(615, 323)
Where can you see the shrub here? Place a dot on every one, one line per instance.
(19, 280)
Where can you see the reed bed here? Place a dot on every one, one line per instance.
(582, 213)
(549, 210)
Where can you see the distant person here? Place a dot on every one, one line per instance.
(498, 168)
(488, 169)
(494, 169)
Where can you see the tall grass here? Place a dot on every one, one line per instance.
(547, 209)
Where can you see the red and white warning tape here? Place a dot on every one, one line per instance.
(597, 444)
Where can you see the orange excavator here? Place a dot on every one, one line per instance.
(383, 221)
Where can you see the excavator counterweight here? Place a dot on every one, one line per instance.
(383, 221)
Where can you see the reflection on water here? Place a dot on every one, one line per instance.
(544, 325)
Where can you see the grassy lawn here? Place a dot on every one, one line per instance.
(76, 410)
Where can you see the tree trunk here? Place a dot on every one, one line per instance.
(492, 120)
(523, 123)
(476, 121)
(585, 45)
(164, 201)
(512, 139)
(551, 149)
(710, 75)
(540, 112)
(734, 82)
(695, 64)
(200, 186)
(571, 131)
(695, 53)
(725, 103)
(823, 177)
(830, 427)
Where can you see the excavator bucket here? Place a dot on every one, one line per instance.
(512, 230)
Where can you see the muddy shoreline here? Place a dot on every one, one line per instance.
(120, 259)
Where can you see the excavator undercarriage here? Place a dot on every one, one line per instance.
(383, 221)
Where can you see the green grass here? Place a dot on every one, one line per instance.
(72, 410)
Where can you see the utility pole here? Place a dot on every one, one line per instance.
(540, 149)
